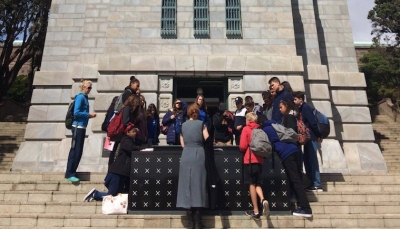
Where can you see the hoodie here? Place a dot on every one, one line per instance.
(244, 146)
(283, 149)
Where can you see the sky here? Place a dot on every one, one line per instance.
(360, 24)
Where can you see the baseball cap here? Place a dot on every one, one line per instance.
(238, 100)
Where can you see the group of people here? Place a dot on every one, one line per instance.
(142, 129)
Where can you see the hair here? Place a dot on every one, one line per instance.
(130, 128)
(267, 95)
(193, 111)
(133, 79)
(176, 110)
(287, 87)
(142, 107)
(133, 102)
(274, 79)
(299, 95)
(249, 104)
(289, 107)
(251, 116)
(248, 101)
(112, 105)
(203, 106)
(261, 119)
(83, 82)
(149, 109)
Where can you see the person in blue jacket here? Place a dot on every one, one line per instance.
(310, 148)
(174, 119)
(81, 119)
(281, 94)
(153, 125)
(289, 154)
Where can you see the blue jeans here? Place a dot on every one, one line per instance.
(115, 184)
(75, 153)
(311, 163)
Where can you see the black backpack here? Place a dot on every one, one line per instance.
(69, 118)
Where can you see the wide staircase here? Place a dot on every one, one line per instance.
(387, 135)
(11, 136)
(46, 200)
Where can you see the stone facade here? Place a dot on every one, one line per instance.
(308, 43)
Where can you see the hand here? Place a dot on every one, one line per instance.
(239, 127)
(92, 115)
(172, 116)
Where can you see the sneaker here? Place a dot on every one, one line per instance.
(303, 213)
(314, 189)
(72, 179)
(254, 216)
(90, 195)
(265, 205)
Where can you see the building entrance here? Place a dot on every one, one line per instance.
(214, 91)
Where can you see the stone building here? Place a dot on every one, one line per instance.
(177, 47)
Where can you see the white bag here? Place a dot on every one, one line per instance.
(115, 205)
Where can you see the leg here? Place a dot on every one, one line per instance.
(253, 196)
(291, 167)
(189, 215)
(75, 153)
(198, 218)
(311, 163)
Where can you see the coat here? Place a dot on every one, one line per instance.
(167, 121)
(280, 95)
(310, 121)
(244, 146)
(122, 163)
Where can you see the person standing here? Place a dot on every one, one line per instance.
(192, 189)
(310, 158)
(252, 169)
(174, 119)
(222, 122)
(240, 119)
(281, 94)
(267, 97)
(81, 119)
(132, 89)
(153, 125)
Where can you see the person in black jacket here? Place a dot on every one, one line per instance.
(281, 94)
(222, 122)
(133, 88)
(310, 148)
(117, 178)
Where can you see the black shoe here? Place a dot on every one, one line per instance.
(90, 196)
(189, 215)
(314, 189)
(265, 206)
(252, 215)
(303, 212)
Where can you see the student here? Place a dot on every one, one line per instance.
(81, 119)
(174, 119)
(289, 112)
(251, 106)
(310, 148)
(132, 89)
(110, 113)
(252, 168)
(289, 154)
(267, 106)
(222, 122)
(287, 87)
(240, 119)
(153, 125)
(117, 178)
(142, 124)
(281, 94)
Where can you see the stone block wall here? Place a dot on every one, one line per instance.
(305, 42)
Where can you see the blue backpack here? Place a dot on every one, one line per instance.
(323, 123)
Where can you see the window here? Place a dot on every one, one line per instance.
(233, 19)
(168, 19)
(201, 19)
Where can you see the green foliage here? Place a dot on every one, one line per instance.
(385, 17)
(19, 89)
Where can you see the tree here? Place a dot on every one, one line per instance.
(27, 20)
(385, 17)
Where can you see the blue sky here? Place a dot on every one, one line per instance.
(358, 16)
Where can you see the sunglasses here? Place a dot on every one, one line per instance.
(90, 88)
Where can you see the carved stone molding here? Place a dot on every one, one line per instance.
(235, 84)
(166, 83)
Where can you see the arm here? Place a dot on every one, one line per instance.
(184, 109)
(308, 115)
(78, 107)
(126, 116)
(182, 142)
(205, 132)
(166, 121)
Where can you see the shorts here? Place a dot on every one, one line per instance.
(252, 174)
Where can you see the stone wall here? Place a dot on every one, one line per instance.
(305, 42)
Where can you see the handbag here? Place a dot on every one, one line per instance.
(115, 205)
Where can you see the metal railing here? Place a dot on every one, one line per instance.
(168, 19)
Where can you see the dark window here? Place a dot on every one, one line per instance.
(168, 19)
(233, 19)
(201, 19)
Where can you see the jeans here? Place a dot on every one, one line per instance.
(294, 175)
(311, 163)
(115, 184)
(75, 153)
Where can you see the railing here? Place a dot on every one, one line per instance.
(201, 19)
(233, 19)
(168, 19)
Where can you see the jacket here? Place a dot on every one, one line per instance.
(81, 110)
(142, 126)
(127, 92)
(221, 125)
(280, 95)
(157, 130)
(244, 146)
(283, 149)
(240, 119)
(310, 121)
(122, 163)
(179, 119)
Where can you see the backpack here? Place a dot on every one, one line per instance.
(109, 115)
(303, 131)
(285, 134)
(323, 123)
(119, 102)
(69, 117)
(116, 128)
(260, 144)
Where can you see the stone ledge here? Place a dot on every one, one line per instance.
(347, 79)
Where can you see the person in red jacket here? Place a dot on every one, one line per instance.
(252, 168)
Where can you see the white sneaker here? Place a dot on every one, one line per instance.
(265, 205)
(89, 196)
